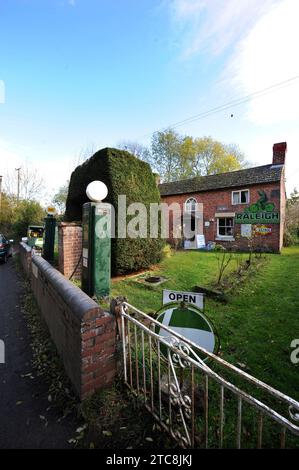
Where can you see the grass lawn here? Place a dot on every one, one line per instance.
(183, 270)
(256, 328)
(258, 323)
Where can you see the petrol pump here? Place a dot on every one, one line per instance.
(96, 253)
(49, 234)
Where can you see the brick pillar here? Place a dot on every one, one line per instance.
(70, 248)
(98, 350)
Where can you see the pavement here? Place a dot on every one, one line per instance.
(25, 422)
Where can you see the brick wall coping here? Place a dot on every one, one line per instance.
(72, 224)
(26, 247)
(81, 305)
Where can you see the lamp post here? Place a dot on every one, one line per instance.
(18, 190)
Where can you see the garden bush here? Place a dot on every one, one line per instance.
(123, 174)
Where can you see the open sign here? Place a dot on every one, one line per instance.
(193, 298)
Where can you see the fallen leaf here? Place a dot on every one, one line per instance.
(82, 428)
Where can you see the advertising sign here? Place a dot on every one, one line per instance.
(186, 297)
(246, 230)
(261, 212)
(187, 321)
(262, 230)
(257, 217)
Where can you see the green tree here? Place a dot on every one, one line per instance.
(212, 157)
(294, 198)
(176, 157)
(291, 233)
(59, 199)
(7, 214)
(166, 154)
(27, 213)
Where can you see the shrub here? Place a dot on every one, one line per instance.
(289, 237)
(167, 251)
(123, 174)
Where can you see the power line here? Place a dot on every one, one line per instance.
(230, 104)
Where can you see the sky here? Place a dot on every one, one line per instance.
(82, 74)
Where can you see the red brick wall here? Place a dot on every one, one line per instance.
(84, 334)
(212, 200)
(99, 367)
(70, 249)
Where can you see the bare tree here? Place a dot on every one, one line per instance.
(31, 183)
(84, 154)
(135, 148)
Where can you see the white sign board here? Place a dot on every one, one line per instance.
(85, 258)
(200, 241)
(186, 321)
(187, 297)
(246, 230)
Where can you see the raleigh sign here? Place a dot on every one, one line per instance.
(261, 212)
(257, 218)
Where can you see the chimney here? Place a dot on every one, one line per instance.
(279, 153)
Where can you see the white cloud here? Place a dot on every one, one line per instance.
(10, 157)
(2, 92)
(269, 55)
(211, 26)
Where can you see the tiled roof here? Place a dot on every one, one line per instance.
(239, 178)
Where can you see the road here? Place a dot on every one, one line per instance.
(23, 400)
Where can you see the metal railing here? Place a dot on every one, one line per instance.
(201, 403)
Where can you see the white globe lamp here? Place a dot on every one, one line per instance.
(96, 191)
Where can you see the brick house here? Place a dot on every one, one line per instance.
(236, 207)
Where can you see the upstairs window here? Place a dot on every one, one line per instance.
(190, 205)
(240, 197)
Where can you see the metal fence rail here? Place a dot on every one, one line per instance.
(201, 403)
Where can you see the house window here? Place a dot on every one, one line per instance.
(240, 197)
(190, 205)
(225, 227)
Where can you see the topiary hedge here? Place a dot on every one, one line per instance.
(123, 174)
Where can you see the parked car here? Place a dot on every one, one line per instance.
(5, 248)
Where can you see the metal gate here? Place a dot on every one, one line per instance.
(201, 403)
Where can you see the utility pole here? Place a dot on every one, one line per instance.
(18, 192)
(0, 192)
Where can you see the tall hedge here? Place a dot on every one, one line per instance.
(123, 174)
